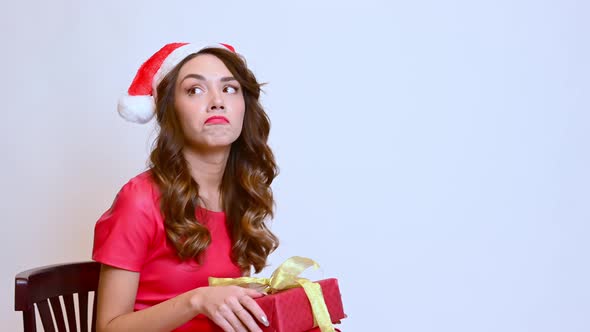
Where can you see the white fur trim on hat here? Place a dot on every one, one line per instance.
(139, 109)
(175, 57)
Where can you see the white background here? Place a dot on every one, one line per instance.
(434, 155)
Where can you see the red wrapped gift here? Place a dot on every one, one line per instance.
(290, 310)
(294, 301)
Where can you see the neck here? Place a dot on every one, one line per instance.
(207, 168)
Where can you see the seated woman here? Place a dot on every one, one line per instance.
(199, 211)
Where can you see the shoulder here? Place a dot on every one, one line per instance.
(142, 183)
(139, 197)
(140, 191)
(136, 203)
(125, 233)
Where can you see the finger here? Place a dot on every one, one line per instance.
(220, 321)
(257, 287)
(244, 315)
(253, 307)
(229, 315)
(253, 293)
(247, 320)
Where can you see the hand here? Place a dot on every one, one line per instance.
(231, 307)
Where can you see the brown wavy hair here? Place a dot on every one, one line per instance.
(245, 189)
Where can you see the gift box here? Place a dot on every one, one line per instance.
(290, 310)
(293, 302)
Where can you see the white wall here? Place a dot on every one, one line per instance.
(434, 155)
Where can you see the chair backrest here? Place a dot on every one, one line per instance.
(45, 285)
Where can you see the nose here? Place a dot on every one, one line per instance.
(216, 103)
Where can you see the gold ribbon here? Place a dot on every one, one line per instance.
(286, 277)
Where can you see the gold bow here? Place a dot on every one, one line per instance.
(286, 277)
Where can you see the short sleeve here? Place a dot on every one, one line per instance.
(123, 235)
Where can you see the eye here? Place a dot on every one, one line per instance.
(195, 90)
(230, 89)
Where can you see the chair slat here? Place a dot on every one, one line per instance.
(83, 306)
(93, 318)
(71, 312)
(58, 313)
(45, 314)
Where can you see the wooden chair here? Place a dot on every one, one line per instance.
(44, 286)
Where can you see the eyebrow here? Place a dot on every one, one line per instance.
(202, 78)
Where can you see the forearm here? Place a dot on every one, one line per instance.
(165, 316)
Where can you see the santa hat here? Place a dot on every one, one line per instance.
(139, 105)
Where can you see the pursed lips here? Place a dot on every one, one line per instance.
(217, 120)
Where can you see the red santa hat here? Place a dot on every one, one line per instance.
(139, 105)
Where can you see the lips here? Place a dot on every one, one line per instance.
(217, 120)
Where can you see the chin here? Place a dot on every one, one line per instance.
(215, 141)
(220, 143)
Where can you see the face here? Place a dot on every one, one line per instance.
(209, 103)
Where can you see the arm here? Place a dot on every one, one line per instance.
(224, 305)
(116, 296)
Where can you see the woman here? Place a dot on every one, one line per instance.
(200, 209)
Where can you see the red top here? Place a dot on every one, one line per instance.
(131, 236)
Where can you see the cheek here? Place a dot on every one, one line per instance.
(239, 119)
(241, 110)
(187, 113)
(184, 119)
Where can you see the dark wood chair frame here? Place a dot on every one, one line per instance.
(43, 286)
